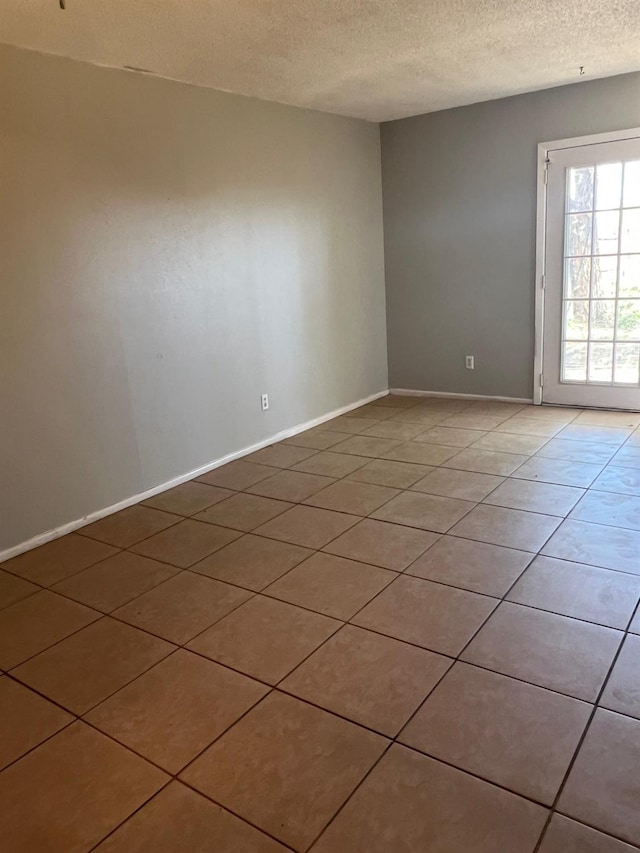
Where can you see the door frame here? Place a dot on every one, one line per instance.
(541, 221)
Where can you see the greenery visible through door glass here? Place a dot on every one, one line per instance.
(630, 275)
(576, 320)
(628, 321)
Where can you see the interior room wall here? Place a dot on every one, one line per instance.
(167, 254)
(459, 190)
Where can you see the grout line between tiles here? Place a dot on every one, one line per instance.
(396, 575)
(594, 710)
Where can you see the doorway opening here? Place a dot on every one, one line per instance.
(588, 272)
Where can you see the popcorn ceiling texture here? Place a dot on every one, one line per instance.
(372, 59)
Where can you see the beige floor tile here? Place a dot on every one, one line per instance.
(584, 592)
(486, 461)
(555, 652)
(182, 607)
(35, 623)
(243, 512)
(428, 512)
(547, 498)
(268, 770)
(330, 464)
(474, 421)
(603, 787)
(394, 429)
(577, 451)
(398, 401)
(529, 426)
(412, 803)
(58, 559)
(420, 612)
(352, 497)
(634, 438)
(635, 623)
(178, 820)
(316, 438)
(450, 437)
(237, 475)
(383, 472)
(115, 581)
(84, 669)
(308, 526)
(292, 486)
(372, 410)
(366, 445)
(578, 431)
(130, 525)
(609, 508)
(444, 404)
(186, 543)
(422, 417)
(624, 420)
(280, 455)
(514, 734)
(265, 638)
(252, 561)
(622, 692)
(27, 720)
(71, 791)
(476, 566)
(14, 589)
(495, 407)
(379, 543)
(524, 531)
(627, 457)
(188, 498)
(331, 585)
(566, 836)
(560, 414)
(373, 680)
(560, 471)
(466, 485)
(172, 712)
(596, 545)
(506, 442)
(349, 424)
(623, 481)
(421, 454)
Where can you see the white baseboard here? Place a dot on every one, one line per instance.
(57, 532)
(408, 392)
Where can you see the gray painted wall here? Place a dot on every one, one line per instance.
(459, 190)
(167, 254)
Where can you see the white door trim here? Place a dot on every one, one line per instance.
(541, 216)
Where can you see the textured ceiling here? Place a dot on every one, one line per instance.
(375, 59)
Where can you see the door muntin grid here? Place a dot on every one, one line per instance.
(601, 276)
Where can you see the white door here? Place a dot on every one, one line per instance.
(591, 281)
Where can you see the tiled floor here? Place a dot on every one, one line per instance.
(414, 628)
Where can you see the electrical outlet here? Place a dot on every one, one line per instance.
(470, 362)
(264, 402)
